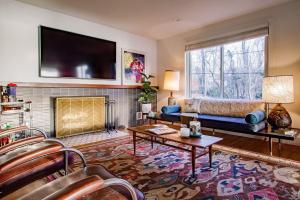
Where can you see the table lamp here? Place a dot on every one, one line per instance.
(278, 90)
(171, 82)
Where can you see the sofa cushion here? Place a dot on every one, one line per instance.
(171, 117)
(25, 173)
(20, 155)
(225, 107)
(241, 108)
(215, 107)
(235, 124)
(91, 170)
(191, 105)
(171, 109)
(21, 142)
(255, 117)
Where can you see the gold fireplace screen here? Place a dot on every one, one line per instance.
(76, 115)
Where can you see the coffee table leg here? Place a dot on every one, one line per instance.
(210, 156)
(193, 160)
(134, 141)
(270, 146)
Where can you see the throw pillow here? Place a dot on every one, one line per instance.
(191, 105)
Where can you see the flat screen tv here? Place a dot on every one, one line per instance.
(71, 55)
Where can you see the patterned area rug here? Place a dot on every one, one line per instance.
(164, 173)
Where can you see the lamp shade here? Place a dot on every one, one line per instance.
(171, 80)
(278, 89)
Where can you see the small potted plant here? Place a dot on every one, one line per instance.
(148, 93)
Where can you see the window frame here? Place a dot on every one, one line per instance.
(188, 67)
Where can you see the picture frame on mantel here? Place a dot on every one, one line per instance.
(133, 63)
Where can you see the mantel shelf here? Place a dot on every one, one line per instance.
(71, 85)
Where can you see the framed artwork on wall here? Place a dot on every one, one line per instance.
(133, 63)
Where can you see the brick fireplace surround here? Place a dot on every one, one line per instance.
(126, 103)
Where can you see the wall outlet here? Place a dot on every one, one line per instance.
(139, 115)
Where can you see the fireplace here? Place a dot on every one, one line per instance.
(77, 115)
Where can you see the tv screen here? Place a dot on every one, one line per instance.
(71, 55)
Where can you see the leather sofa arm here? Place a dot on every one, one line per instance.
(41, 131)
(66, 150)
(123, 183)
(44, 151)
(87, 186)
(13, 130)
(22, 128)
(78, 189)
(30, 155)
(20, 143)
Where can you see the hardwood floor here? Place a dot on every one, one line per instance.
(258, 145)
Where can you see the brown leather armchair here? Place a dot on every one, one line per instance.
(91, 185)
(72, 178)
(19, 166)
(26, 160)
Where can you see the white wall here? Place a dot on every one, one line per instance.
(19, 42)
(284, 47)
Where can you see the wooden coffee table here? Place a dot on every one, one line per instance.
(205, 142)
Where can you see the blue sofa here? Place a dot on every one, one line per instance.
(216, 121)
(234, 124)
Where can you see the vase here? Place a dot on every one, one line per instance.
(279, 117)
(146, 108)
(195, 127)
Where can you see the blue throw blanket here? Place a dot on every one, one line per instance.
(255, 117)
(170, 109)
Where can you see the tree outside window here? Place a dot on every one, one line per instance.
(231, 71)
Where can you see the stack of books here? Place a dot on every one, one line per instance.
(289, 132)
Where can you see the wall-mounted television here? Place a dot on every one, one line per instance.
(69, 55)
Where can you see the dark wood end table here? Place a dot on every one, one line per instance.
(268, 132)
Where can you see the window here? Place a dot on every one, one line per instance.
(232, 71)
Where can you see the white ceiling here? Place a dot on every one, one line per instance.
(155, 18)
